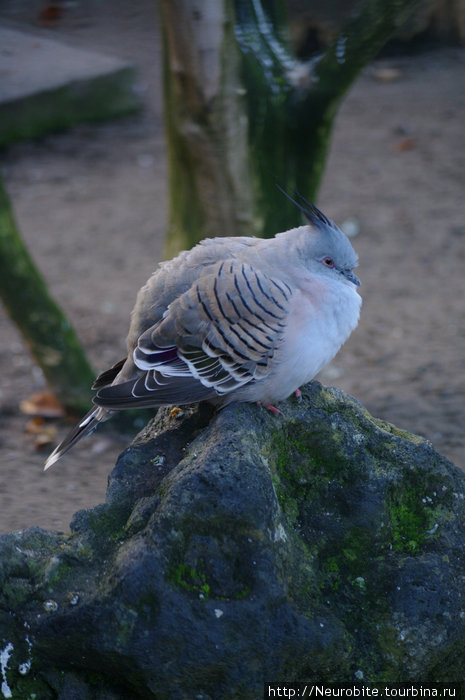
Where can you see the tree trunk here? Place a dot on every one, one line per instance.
(47, 332)
(243, 114)
(206, 122)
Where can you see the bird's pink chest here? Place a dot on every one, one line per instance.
(320, 321)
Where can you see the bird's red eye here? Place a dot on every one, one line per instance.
(329, 262)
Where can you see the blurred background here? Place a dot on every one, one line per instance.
(90, 203)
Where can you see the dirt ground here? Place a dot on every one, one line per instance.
(91, 206)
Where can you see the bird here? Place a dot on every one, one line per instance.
(234, 319)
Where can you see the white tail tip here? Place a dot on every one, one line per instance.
(54, 457)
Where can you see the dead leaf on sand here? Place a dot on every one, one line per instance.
(42, 403)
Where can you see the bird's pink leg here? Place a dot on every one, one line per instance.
(271, 408)
(274, 410)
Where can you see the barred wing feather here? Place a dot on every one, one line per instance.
(223, 332)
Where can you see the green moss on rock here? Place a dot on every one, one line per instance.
(189, 579)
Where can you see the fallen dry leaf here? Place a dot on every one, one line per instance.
(35, 425)
(386, 75)
(407, 144)
(43, 440)
(42, 403)
(50, 14)
(44, 433)
(38, 425)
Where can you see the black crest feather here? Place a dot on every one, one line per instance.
(309, 210)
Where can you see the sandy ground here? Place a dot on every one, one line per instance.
(91, 206)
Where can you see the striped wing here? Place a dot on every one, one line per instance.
(223, 332)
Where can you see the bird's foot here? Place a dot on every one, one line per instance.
(298, 395)
(274, 410)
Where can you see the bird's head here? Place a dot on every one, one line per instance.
(325, 249)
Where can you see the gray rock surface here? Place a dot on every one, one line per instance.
(46, 85)
(239, 548)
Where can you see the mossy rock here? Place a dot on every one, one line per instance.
(238, 548)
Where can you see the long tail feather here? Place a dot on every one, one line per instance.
(86, 426)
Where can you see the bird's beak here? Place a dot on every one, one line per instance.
(352, 277)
